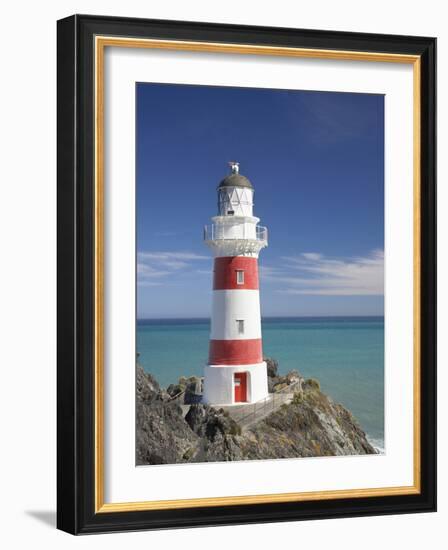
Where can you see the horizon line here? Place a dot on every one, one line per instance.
(265, 317)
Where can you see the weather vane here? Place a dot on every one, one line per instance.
(235, 166)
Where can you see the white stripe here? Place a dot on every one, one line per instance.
(228, 307)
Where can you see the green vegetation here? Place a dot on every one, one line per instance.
(312, 384)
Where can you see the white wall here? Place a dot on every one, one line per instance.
(230, 305)
(219, 383)
(27, 289)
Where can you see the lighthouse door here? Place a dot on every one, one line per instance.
(240, 384)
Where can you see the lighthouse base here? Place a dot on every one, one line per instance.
(235, 384)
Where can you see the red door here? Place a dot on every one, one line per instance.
(240, 383)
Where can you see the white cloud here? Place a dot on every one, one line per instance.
(314, 274)
(180, 255)
(311, 256)
(147, 271)
(154, 265)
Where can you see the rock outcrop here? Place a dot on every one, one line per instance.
(277, 382)
(187, 390)
(162, 435)
(310, 425)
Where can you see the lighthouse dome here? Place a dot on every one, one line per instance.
(235, 180)
(235, 193)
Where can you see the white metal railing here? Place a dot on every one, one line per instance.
(252, 413)
(217, 232)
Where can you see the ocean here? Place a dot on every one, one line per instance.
(346, 355)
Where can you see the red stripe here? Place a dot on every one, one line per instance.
(235, 352)
(225, 273)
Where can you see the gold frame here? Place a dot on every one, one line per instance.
(101, 42)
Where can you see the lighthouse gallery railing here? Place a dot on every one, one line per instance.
(222, 232)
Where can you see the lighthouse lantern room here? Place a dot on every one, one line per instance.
(236, 372)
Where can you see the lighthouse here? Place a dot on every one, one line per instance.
(236, 372)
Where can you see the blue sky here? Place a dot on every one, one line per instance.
(316, 161)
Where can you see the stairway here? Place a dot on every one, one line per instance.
(250, 414)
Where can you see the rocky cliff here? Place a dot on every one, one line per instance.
(169, 431)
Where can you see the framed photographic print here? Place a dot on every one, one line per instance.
(246, 274)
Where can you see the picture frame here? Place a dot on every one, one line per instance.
(82, 42)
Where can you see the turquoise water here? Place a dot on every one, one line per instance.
(345, 354)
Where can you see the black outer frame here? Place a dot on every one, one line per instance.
(75, 310)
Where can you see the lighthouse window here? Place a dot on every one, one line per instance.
(240, 277)
(240, 325)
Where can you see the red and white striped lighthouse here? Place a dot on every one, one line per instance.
(236, 372)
